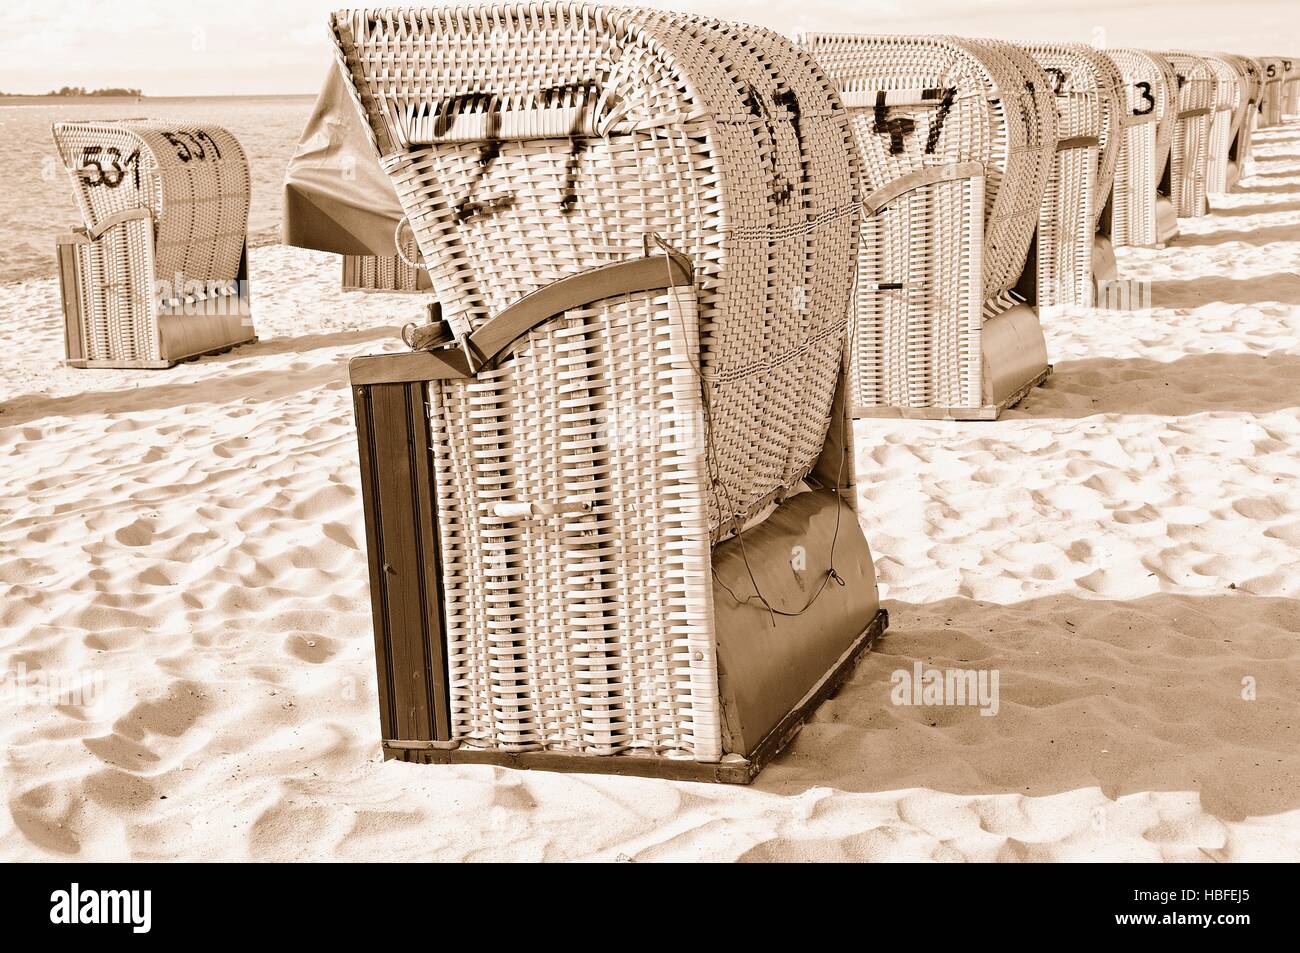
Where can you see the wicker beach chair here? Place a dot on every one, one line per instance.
(1273, 72)
(1231, 96)
(1248, 121)
(1290, 92)
(1071, 259)
(159, 271)
(1190, 151)
(954, 149)
(581, 500)
(1140, 213)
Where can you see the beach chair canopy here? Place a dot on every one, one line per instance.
(598, 443)
(955, 146)
(193, 180)
(572, 161)
(1190, 151)
(1090, 105)
(336, 197)
(1150, 95)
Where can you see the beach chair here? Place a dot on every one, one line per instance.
(954, 150)
(608, 504)
(1248, 122)
(158, 272)
(1273, 72)
(1190, 152)
(1140, 214)
(1290, 92)
(1231, 94)
(1071, 257)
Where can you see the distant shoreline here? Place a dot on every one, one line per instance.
(47, 100)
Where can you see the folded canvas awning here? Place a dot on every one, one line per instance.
(336, 197)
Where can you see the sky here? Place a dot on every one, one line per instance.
(232, 47)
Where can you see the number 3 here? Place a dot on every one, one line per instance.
(1147, 98)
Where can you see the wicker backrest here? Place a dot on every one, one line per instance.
(1248, 121)
(527, 142)
(1231, 87)
(1189, 154)
(193, 178)
(1151, 94)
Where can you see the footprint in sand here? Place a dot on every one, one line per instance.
(137, 533)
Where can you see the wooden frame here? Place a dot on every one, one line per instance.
(731, 770)
(987, 412)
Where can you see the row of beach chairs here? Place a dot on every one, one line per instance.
(609, 491)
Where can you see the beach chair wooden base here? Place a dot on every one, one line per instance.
(988, 412)
(1013, 362)
(159, 365)
(732, 769)
(1233, 174)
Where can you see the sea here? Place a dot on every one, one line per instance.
(36, 201)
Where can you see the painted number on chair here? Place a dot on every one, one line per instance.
(104, 165)
(1148, 100)
(191, 145)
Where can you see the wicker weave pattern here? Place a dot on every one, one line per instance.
(193, 178)
(932, 257)
(1089, 107)
(1190, 152)
(741, 172)
(526, 144)
(376, 273)
(1149, 85)
(595, 628)
(117, 294)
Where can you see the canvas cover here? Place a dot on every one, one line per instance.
(336, 197)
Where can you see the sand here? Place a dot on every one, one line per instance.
(1123, 548)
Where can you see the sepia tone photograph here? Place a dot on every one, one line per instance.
(693, 431)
